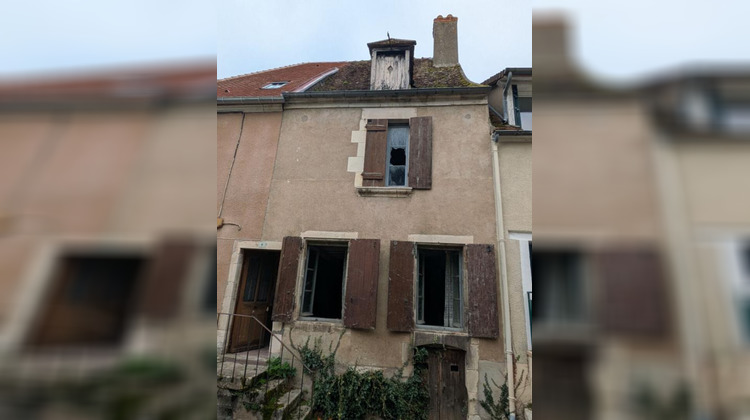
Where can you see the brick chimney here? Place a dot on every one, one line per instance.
(445, 36)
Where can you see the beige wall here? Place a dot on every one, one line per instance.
(254, 136)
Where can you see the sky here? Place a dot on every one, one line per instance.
(253, 36)
(628, 41)
(52, 37)
(614, 40)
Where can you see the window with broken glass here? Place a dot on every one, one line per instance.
(439, 288)
(324, 281)
(397, 155)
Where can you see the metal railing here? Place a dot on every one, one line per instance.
(256, 329)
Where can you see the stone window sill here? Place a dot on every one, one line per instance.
(384, 191)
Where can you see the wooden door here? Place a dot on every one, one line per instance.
(254, 297)
(446, 376)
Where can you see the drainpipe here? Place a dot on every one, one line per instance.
(502, 262)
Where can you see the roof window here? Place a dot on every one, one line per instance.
(274, 85)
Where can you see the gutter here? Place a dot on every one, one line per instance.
(480, 90)
(502, 262)
(250, 100)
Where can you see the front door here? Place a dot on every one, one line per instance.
(255, 298)
(447, 384)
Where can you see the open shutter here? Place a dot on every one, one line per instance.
(401, 287)
(376, 144)
(481, 277)
(283, 306)
(162, 291)
(420, 153)
(362, 283)
(633, 299)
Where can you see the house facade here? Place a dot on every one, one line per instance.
(367, 196)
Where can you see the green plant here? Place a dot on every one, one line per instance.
(354, 394)
(279, 370)
(498, 410)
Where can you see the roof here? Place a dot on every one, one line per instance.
(392, 43)
(155, 82)
(517, 71)
(297, 76)
(356, 76)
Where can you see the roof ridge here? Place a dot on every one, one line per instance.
(279, 68)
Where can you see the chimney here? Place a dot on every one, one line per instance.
(445, 36)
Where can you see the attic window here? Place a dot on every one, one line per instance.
(274, 85)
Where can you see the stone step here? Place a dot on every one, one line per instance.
(289, 402)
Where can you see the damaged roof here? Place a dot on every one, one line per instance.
(295, 78)
(356, 76)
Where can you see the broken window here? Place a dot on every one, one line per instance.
(398, 150)
(439, 288)
(324, 281)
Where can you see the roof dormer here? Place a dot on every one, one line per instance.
(392, 62)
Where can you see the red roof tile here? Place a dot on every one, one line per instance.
(298, 78)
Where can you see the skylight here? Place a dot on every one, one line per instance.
(274, 85)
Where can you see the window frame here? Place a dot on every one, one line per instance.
(389, 146)
(739, 286)
(419, 321)
(275, 85)
(303, 316)
(524, 242)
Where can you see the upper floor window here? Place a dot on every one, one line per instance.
(521, 110)
(398, 153)
(274, 85)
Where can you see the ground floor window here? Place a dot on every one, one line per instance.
(324, 281)
(439, 288)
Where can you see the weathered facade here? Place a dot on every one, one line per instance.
(372, 195)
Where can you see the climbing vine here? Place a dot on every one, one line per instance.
(354, 394)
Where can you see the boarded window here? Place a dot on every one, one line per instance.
(287, 279)
(398, 154)
(323, 284)
(481, 277)
(439, 288)
(401, 287)
(360, 304)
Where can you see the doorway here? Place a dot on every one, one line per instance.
(446, 381)
(254, 298)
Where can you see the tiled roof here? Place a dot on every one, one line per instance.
(297, 76)
(147, 82)
(356, 76)
(519, 71)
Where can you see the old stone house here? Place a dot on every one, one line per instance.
(357, 205)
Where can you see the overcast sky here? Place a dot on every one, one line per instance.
(53, 36)
(261, 35)
(626, 41)
(616, 40)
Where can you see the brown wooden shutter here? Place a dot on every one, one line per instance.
(481, 277)
(162, 291)
(401, 287)
(373, 174)
(283, 306)
(420, 153)
(633, 298)
(360, 303)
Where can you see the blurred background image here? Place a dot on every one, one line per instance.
(107, 251)
(641, 213)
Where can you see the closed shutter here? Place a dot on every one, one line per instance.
(401, 287)
(420, 153)
(373, 174)
(481, 278)
(362, 283)
(283, 306)
(633, 298)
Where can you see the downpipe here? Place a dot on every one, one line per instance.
(500, 227)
